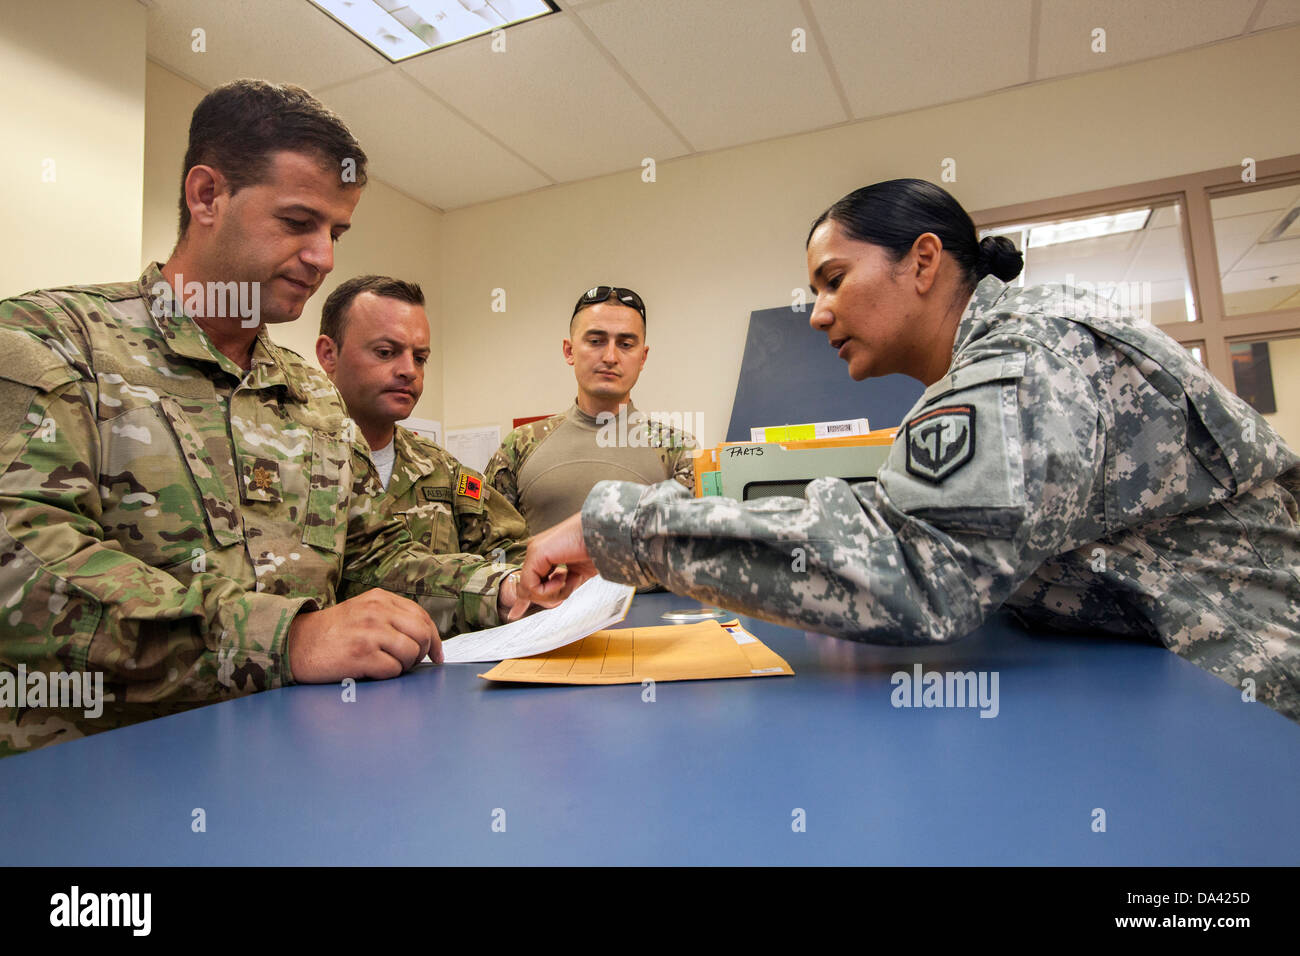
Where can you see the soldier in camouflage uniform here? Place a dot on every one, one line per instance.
(374, 344)
(182, 501)
(1081, 470)
(448, 506)
(545, 468)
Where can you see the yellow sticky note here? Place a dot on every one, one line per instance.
(702, 651)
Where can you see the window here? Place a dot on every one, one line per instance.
(1266, 373)
(1210, 258)
(1257, 238)
(1134, 255)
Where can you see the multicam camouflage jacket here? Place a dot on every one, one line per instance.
(448, 506)
(1083, 471)
(551, 486)
(164, 515)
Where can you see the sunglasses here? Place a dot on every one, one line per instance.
(602, 293)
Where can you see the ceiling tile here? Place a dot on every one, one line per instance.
(1171, 290)
(890, 57)
(1278, 13)
(1166, 215)
(1267, 278)
(551, 96)
(1235, 236)
(1264, 255)
(424, 149)
(1160, 257)
(284, 41)
(1134, 31)
(722, 71)
(1258, 199)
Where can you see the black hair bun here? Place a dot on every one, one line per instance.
(1000, 257)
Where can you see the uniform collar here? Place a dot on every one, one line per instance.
(184, 337)
(591, 421)
(268, 369)
(409, 461)
(975, 321)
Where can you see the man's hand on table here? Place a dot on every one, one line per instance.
(556, 563)
(376, 634)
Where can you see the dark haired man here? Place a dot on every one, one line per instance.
(181, 500)
(373, 344)
(546, 468)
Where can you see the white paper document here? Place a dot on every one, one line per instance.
(596, 604)
(474, 446)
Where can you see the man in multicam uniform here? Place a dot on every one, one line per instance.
(374, 344)
(181, 500)
(546, 468)
(1083, 471)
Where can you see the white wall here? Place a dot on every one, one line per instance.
(169, 103)
(63, 100)
(720, 235)
(1284, 359)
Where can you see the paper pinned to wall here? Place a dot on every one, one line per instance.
(474, 446)
(425, 428)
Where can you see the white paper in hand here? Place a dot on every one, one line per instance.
(596, 604)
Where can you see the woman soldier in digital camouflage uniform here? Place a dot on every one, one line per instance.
(1083, 471)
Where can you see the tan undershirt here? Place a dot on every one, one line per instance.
(555, 478)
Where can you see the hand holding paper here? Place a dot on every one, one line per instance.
(596, 604)
(556, 564)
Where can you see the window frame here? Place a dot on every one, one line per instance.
(1212, 329)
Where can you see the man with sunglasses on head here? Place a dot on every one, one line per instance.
(545, 468)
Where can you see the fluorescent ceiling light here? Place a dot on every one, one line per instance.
(1070, 230)
(400, 29)
(1288, 228)
(1054, 233)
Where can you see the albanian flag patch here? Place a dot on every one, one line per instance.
(470, 487)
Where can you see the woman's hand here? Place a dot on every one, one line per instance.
(556, 563)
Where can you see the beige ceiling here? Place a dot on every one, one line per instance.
(603, 84)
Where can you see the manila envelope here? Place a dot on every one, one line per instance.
(631, 655)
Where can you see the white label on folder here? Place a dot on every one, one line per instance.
(741, 635)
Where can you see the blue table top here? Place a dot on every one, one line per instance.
(418, 769)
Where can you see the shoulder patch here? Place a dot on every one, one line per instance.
(940, 441)
(469, 486)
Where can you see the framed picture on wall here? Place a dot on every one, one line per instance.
(1252, 376)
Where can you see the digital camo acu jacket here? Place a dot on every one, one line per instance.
(1086, 472)
(448, 506)
(163, 515)
(545, 468)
